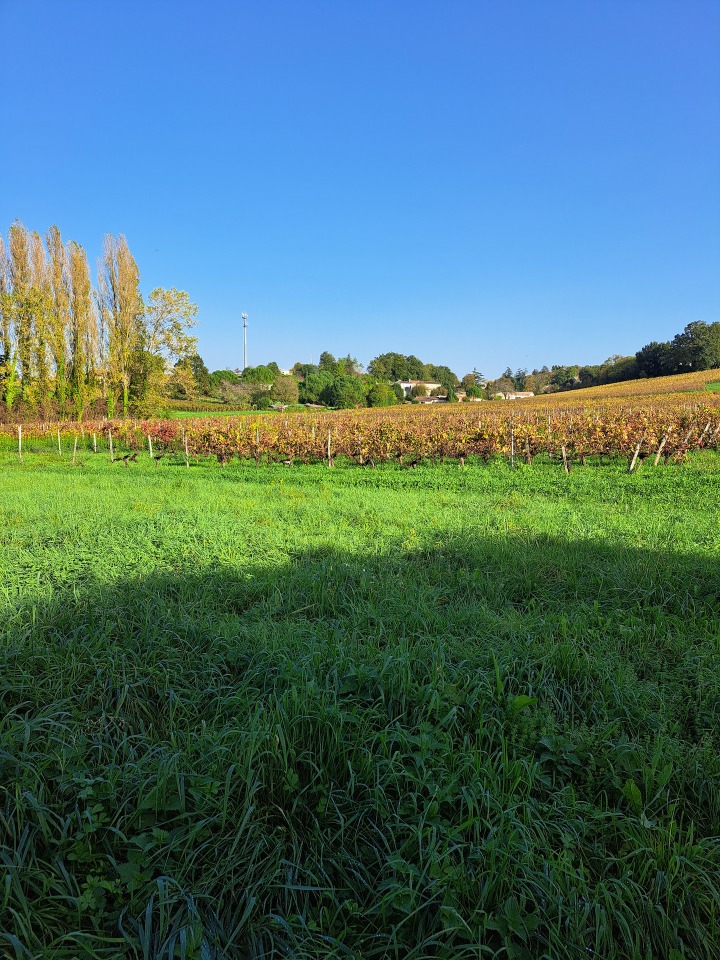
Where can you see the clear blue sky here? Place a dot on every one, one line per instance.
(477, 183)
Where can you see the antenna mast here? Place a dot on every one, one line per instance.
(244, 320)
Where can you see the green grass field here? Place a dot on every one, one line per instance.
(312, 713)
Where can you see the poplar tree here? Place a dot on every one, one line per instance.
(121, 311)
(41, 310)
(58, 320)
(8, 373)
(20, 272)
(5, 303)
(83, 328)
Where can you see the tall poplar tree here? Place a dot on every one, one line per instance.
(20, 271)
(83, 328)
(121, 310)
(41, 300)
(5, 303)
(58, 320)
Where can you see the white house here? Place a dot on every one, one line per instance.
(408, 385)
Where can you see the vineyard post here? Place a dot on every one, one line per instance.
(635, 455)
(660, 449)
(512, 445)
(112, 458)
(329, 454)
(94, 443)
(20, 441)
(187, 459)
(150, 445)
(59, 447)
(565, 460)
(74, 450)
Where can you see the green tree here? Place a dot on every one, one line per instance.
(382, 395)
(200, 372)
(122, 314)
(20, 275)
(284, 390)
(441, 374)
(303, 370)
(218, 377)
(259, 374)
(58, 327)
(169, 314)
(148, 381)
(345, 393)
(565, 378)
(697, 347)
(348, 367)
(313, 387)
(655, 359)
(328, 363)
(83, 331)
(389, 366)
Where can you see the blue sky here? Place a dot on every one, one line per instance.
(480, 184)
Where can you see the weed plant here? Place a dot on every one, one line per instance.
(311, 713)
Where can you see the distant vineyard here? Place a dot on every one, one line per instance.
(654, 386)
(667, 426)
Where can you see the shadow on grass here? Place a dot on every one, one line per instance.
(501, 749)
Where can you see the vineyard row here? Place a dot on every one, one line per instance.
(663, 429)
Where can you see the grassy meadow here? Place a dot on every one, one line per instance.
(389, 713)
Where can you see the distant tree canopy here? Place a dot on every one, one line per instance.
(381, 395)
(393, 367)
(345, 393)
(696, 348)
(200, 372)
(284, 390)
(262, 374)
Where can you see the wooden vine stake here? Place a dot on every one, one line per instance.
(20, 442)
(635, 455)
(112, 457)
(74, 450)
(512, 446)
(94, 443)
(187, 458)
(150, 445)
(660, 449)
(565, 460)
(329, 453)
(59, 447)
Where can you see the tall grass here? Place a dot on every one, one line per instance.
(398, 714)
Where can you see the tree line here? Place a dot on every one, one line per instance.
(68, 345)
(343, 383)
(697, 347)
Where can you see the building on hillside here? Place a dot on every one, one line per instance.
(408, 385)
(431, 399)
(518, 396)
